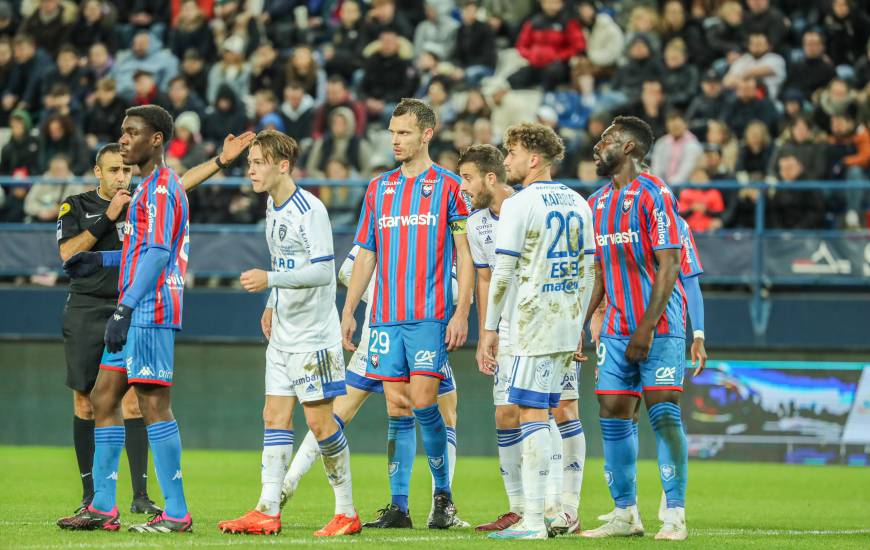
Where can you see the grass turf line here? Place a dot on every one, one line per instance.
(739, 505)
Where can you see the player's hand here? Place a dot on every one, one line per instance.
(595, 325)
(348, 327)
(117, 327)
(235, 145)
(83, 264)
(489, 343)
(482, 365)
(579, 356)
(118, 204)
(254, 280)
(266, 322)
(699, 355)
(457, 332)
(639, 345)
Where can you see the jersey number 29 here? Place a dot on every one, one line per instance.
(379, 341)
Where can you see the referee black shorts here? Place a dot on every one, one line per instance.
(84, 327)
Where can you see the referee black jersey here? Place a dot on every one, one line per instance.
(77, 213)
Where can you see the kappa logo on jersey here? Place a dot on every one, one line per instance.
(177, 475)
(388, 222)
(424, 359)
(390, 191)
(668, 471)
(113, 475)
(623, 237)
(146, 371)
(161, 190)
(666, 375)
(436, 462)
(282, 232)
(427, 190)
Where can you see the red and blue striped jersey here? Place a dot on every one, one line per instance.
(157, 217)
(630, 224)
(690, 262)
(407, 224)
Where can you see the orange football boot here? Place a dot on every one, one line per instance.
(340, 525)
(253, 523)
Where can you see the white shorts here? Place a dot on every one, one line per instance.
(571, 383)
(309, 376)
(501, 379)
(536, 381)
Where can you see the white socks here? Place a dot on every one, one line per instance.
(537, 456)
(573, 464)
(277, 451)
(554, 481)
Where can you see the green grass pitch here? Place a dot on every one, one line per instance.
(730, 504)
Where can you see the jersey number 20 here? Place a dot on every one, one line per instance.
(563, 228)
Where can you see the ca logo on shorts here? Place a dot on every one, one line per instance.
(424, 359)
(666, 375)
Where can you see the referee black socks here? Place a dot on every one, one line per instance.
(83, 441)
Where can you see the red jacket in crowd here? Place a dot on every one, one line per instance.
(544, 40)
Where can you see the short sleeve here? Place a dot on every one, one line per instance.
(589, 244)
(164, 207)
(456, 207)
(365, 229)
(478, 256)
(661, 218)
(511, 228)
(68, 221)
(316, 233)
(690, 262)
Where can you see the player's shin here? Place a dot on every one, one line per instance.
(108, 443)
(574, 461)
(336, 462)
(401, 447)
(83, 441)
(277, 450)
(435, 443)
(553, 503)
(510, 458)
(620, 460)
(673, 453)
(536, 468)
(166, 446)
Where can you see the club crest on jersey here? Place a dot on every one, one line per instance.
(282, 231)
(626, 204)
(374, 359)
(427, 190)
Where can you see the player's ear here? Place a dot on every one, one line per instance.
(427, 134)
(628, 147)
(284, 166)
(98, 172)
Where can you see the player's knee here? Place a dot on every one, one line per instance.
(449, 415)
(661, 396)
(82, 407)
(277, 419)
(507, 417)
(398, 404)
(566, 411)
(616, 406)
(130, 406)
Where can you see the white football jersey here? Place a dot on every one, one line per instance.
(299, 234)
(548, 227)
(481, 228)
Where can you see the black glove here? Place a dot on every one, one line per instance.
(117, 327)
(83, 264)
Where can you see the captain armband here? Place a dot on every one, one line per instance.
(458, 227)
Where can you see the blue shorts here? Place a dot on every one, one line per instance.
(663, 369)
(372, 385)
(147, 358)
(398, 352)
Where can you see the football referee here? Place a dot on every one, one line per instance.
(95, 221)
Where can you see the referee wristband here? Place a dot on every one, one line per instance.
(100, 227)
(698, 334)
(222, 166)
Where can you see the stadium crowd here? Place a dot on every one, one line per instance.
(761, 90)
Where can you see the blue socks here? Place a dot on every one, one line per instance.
(401, 448)
(435, 444)
(672, 450)
(166, 445)
(108, 443)
(620, 460)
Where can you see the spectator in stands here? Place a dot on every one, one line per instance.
(7, 66)
(708, 105)
(837, 99)
(386, 77)
(507, 16)
(725, 33)
(754, 155)
(50, 25)
(758, 62)
(548, 41)
(799, 139)
(148, 54)
(574, 107)
(232, 70)
(190, 30)
(147, 15)
(680, 78)
(265, 103)
(298, 111)
(20, 156)
(862, 68)
(338, 95)
(640, 66)
(762, 18)
(745, 105)
(225, 116)
(438, 97)
(302, 67)
(814, 70)
(231, 19)
(713, 163)
(791, 209)
(643, 20)
(58, 100)
(179, 98)
(340, 143)
(719, 134)
(847, 29)
(268, 70)
(848, 155)
(508, 107)
(474, 52)
(66, 71)
(99, 64)
(279, 21)
(12, 207)
(59, 135)
(381, 16)
(104, 117)
(475, 107)
(675, 155)
(439, 27)
(30, 63)
(701, 207)
(676, 24)
(651, 107)
(145, 90)
(43, 199)
(605, 40)
(342, 53)
(94, 25)
(481, 132)
(185, 150)
(193, 71)
(8, 22)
